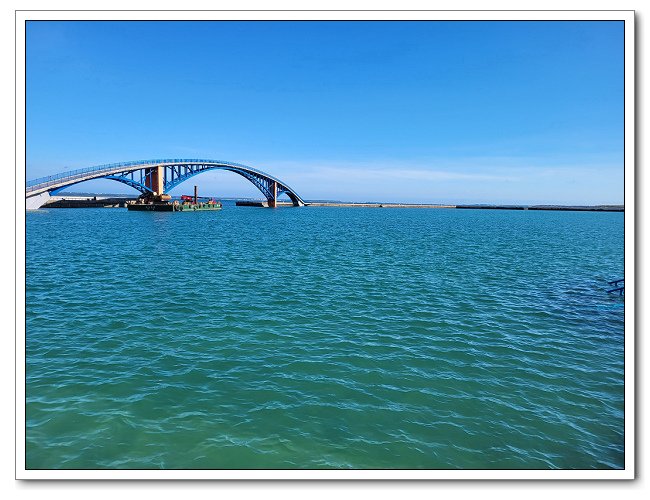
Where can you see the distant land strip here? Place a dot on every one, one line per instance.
(114, 201)
(581, 208)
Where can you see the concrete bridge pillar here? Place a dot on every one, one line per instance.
(274, 189)
(155, 179)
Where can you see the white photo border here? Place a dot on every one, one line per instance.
(628, 16)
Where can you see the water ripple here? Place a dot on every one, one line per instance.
(324, 338)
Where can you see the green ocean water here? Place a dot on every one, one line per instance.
(324, 338)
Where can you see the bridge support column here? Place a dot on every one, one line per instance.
(155, 179)
(274, 189)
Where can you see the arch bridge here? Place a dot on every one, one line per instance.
(156, 177)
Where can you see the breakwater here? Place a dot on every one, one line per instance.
(87, 202)
(572, 208)
(580, 208)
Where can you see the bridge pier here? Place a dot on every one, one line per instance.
(155, 179)
(273, 203)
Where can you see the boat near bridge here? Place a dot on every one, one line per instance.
(164, 203)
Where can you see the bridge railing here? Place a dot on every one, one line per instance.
(72, 174)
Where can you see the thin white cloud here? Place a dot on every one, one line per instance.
(462, 180)
(397, 173)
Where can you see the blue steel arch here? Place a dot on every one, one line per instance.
(137, 174)
(129, 178)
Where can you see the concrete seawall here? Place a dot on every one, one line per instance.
(377, 205)
(86, 202)
(580, 208)
(577, 208)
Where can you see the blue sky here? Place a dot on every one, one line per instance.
(442, 112)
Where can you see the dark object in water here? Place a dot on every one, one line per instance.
(151, 202)
(619, 289)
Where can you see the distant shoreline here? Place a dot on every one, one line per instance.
(115, 201)
(577, 208)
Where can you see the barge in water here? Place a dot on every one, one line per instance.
(162, 203)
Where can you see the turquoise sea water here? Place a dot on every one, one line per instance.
(324, 338)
